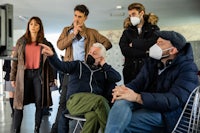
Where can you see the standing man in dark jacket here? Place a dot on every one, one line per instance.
(154, 100)
(136, 39)
(93, 76)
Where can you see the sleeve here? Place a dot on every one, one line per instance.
(13, 72)
(65, 67)
(112, 77)
(50, 70)
(103, 40)
(127, 50)
(55, 72)
(111, 74)
(65, 39)
(148, 41)
(140, 45)
(178, 93)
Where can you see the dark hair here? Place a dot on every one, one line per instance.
(40, 35)
(82, 8)
(138, 6)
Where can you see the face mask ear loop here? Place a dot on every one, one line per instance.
(166, 50)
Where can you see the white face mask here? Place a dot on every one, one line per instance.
(156, 52)
(135, 20)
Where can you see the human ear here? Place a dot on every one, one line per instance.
(173, 50)
(142, 13)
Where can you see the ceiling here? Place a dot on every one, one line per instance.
(57, 14)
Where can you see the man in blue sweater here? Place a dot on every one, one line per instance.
(153, 102)
(95, 78)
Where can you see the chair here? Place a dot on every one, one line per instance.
(189, 121)
(78, 121)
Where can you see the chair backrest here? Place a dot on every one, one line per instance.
(189, 121)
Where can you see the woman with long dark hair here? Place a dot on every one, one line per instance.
(31, 74)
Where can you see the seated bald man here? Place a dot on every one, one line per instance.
(154, 100)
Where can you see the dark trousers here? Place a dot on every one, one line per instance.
(62, 103)
(32, 80)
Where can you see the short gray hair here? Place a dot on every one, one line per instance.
(102, 48)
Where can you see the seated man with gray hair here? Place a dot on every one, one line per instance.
(89, 89)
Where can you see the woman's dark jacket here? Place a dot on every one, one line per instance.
(168, 92)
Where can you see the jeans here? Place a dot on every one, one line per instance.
(126, 117)
(63, 126)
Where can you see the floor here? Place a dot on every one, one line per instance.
(28, 118)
